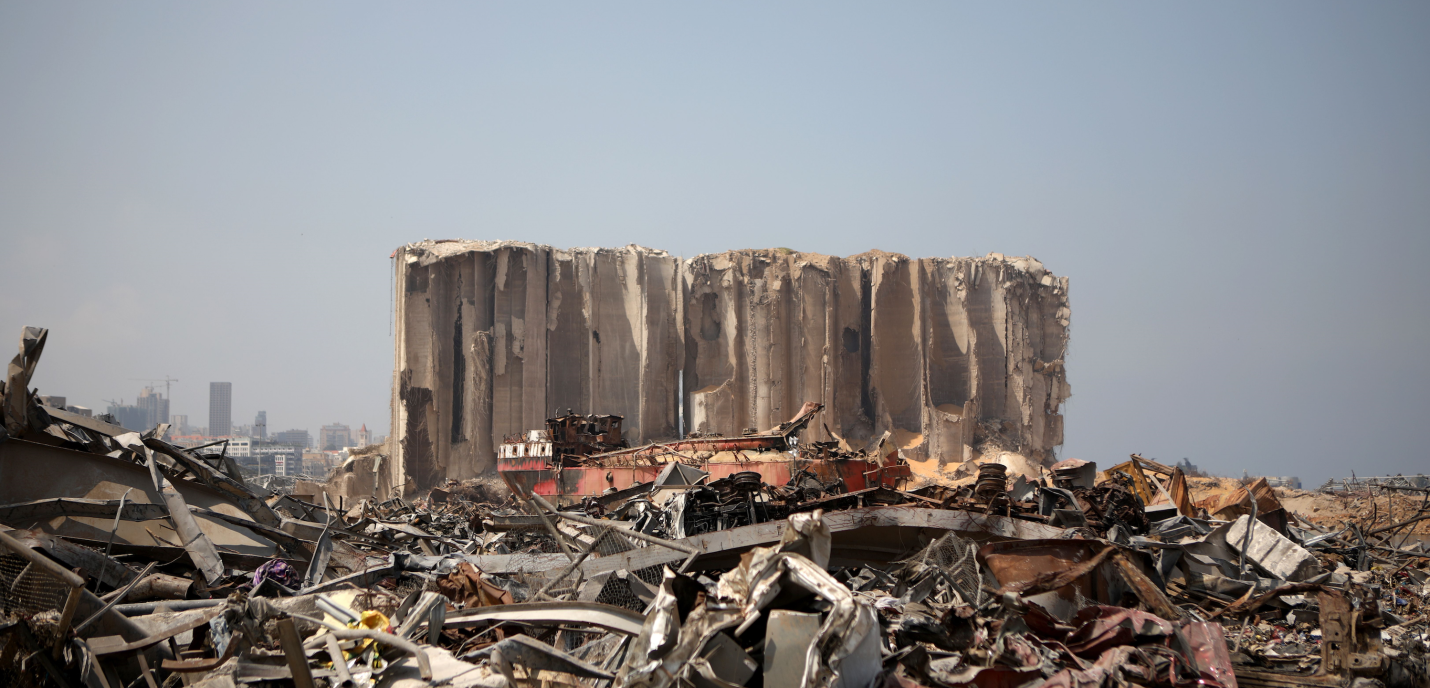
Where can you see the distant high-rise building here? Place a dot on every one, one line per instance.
(292, 438)
(276, 458)
(260, 425)
(156, 407)
(180, 422)
(130, 417)
(220, 409)
(335, 436)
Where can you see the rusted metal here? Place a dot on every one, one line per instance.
(569, 476)
(775, 468)
(1152, 597)
(992, 481)
(1036, 566)
(1338, 643)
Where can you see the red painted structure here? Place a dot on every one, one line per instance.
(769, 454)
(589, 481)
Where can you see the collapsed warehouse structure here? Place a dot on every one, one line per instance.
(946, 357)
(128, 561)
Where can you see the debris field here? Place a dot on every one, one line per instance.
(129, 561)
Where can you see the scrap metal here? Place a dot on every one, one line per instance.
(128, 561)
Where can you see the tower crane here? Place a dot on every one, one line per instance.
(166, 380)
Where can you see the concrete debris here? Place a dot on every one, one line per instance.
(783, 557)
(1271, 551)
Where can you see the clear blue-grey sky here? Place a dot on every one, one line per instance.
(1240, 192)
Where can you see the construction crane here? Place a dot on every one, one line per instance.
(166, 380)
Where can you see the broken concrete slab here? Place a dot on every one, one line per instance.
(1271, 551)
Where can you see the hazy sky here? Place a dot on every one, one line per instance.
(1239, 192)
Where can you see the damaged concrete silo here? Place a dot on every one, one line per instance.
(495, 337)
(946, 355)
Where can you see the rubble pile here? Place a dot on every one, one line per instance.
(127, 561)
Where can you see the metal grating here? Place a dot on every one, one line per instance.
(651, 574)
(611, 542)
(33, 593)
(958, 558)
(617, 593)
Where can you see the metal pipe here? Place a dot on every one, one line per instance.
(550, 527)
(95, 616)
(424, 667)
(112, 532)
(541, 594)
(143, 608)
(340, 663)
(48, 565)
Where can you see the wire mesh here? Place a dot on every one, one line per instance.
(604, 541)
(611, 542)
(650, 574)
(28, 590)
(958, 558)
(617, 592)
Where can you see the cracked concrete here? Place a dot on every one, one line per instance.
(949, 356)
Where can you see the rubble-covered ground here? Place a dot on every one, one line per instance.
(127, 561)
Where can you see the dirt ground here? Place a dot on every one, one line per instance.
(1330, 510)
(1325, 510)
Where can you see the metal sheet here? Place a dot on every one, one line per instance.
(200, 548)
(26, 513)
(871, 534)
(28, 469)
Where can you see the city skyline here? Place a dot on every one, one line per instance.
(184, 401)
(151, 407)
